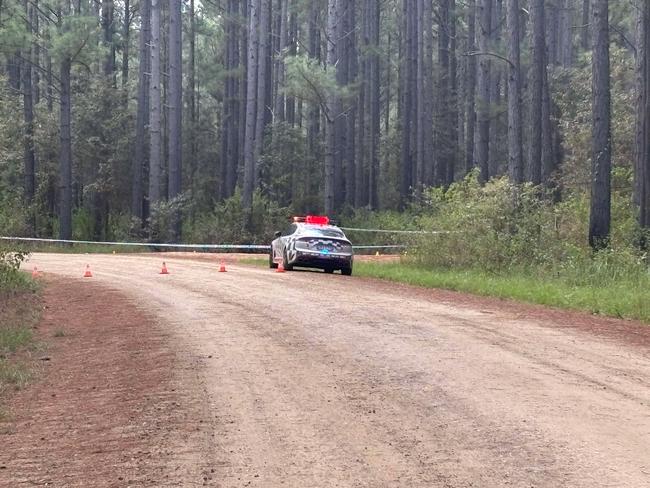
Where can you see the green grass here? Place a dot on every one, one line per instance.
(624, 299)
(20, 305)
(618, 298)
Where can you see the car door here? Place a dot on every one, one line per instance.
(282, 243)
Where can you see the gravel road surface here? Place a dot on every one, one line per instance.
(315, 380)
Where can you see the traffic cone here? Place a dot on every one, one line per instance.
(35, 273)
(164, 269)
(88, 274)
(280, 268)
(222, 268)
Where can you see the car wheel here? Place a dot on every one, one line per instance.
(285, 262)
(346, 271)
(272, 263)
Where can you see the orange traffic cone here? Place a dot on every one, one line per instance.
(35, 272)
(280, 268)
(88, 274)
(222, 268)
(164, 269)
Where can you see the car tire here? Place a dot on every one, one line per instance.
(285, 262)
(346, 271)
(272, 264)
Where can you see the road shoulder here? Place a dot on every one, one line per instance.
(114, 404)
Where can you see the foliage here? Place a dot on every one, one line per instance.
(11, 279)
(224, 224)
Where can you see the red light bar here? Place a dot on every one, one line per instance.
(317, 219)
(313, 219)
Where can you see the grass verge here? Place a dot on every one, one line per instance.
(20, 306)
(622, 300)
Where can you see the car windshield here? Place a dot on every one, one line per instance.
(322, 231)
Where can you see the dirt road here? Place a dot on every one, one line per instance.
(314, 380)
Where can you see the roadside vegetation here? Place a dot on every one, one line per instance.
(20, 312)
(518, 242)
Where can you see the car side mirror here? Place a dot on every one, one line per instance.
(278, 233)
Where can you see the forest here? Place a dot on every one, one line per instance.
(214, 120)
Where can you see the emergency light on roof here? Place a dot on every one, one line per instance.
(313, 219)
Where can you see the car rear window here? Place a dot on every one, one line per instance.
(323, 231)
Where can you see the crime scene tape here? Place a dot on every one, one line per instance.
(261, 247)
(385, 231)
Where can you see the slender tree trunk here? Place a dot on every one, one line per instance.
(126, 36)
(351, 59)
(515, 156)
(191, 93)
(333, 108)
(600, 214)
(484, 82)
(36, 52)
(155, 133)
(537, 92)
(279, 110)
(375, 101)
(65, 155)
(453, 97)
(107, 27)
(29, 153)
(251, 105)
(313, 116)
(175, 102)
(566, 34)
(293, 50)
(264, 93)
(142, 116)
(586, 20)
(470, 107)
(642, 164)
(408, 94)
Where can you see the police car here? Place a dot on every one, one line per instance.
(311, 242)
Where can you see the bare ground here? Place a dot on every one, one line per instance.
(304, 379)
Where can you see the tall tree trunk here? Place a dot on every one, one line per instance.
(586, 19)
(65, 155)
(264, 84)
(314, 41)
(408, 95)
(155, 133)
(333, 108)
(175, 102)
(126, 36)
(537, 92)
(453, 96)
(484, 82)
(279, 103)
(29, 154)
(251, 104)
(600, 214)
(565, 40)
(230, 148)
(642, 163)
(191, 91)
(142, 116)
(515, 157)
(470, 106)
(293, 50)
(375, 101)
(351, 59)
(107, 28)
